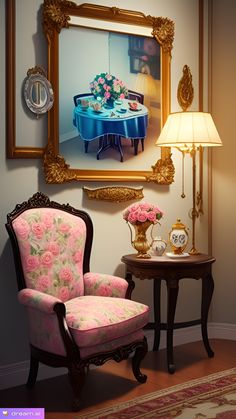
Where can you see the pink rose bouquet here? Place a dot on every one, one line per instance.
(108, 87)
(142, 212)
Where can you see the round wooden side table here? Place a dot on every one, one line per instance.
(172, 270)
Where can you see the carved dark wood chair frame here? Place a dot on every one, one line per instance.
(72, 361)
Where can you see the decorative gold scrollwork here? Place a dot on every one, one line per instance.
(114, 193)
(163, 172)
(163, 30)
(56, 170)
(185, 91)
(55, 15)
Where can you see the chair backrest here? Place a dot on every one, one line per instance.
(76, 98)
(136, 96)
(51, 245)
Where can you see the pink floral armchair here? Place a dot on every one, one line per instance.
(76, 317)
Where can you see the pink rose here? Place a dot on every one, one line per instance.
(22, 228)
(43, 283)
(101, 80)
(64, 228)
(108, 77)
(142, 216)
(105, 290)
(133, 217)
(65, 274)
(31, 263)
(38, 229)
(53, 248)
(47, 259)
(151, 215)
(78, 256)
(47, 219)
(63, 294)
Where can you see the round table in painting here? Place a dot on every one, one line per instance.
(111, 124)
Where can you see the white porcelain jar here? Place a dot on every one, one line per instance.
(158, 246)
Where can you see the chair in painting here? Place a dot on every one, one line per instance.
(76, 317)
(139, 97)
(77, 99)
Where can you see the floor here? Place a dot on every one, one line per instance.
(113, 382)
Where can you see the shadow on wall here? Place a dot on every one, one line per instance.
(13, 319)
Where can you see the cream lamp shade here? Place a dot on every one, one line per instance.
(186, 129)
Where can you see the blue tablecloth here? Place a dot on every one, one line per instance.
(128, 124)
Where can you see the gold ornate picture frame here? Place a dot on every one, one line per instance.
(61, 14)
(58, 15)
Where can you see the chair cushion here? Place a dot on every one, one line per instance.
(51, 244)
(95, 320)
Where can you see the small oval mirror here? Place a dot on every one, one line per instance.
(38, 91)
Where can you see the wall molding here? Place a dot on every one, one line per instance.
(16, 374)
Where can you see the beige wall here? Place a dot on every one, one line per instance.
(19, 179)
(224, 171)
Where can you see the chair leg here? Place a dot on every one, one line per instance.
(33, 372)
(136, 141)
(136, 361)
(76, 376)
(142, 142)
(86, 144)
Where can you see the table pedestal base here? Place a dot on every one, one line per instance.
(110, 141)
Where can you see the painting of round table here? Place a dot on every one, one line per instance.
(109, 125)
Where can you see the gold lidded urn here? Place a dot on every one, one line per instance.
(178, 237)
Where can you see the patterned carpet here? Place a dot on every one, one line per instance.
(211, 397)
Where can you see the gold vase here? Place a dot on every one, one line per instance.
(140, 242)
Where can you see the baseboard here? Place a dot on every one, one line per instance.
(16, 374)
(13, 375)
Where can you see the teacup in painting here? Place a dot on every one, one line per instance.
(133, 106)
(84, 103)
(97, 106)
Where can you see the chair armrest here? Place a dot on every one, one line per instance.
(39, 300)
(104, 285)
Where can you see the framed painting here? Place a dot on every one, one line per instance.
(70, 72)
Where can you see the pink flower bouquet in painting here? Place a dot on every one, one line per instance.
(108, 87)
(142, 212)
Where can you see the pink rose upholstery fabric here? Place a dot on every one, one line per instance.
(51, 244)
(104, 285)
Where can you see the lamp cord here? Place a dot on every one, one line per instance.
(183, 185)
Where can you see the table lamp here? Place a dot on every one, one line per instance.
(189, 131)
